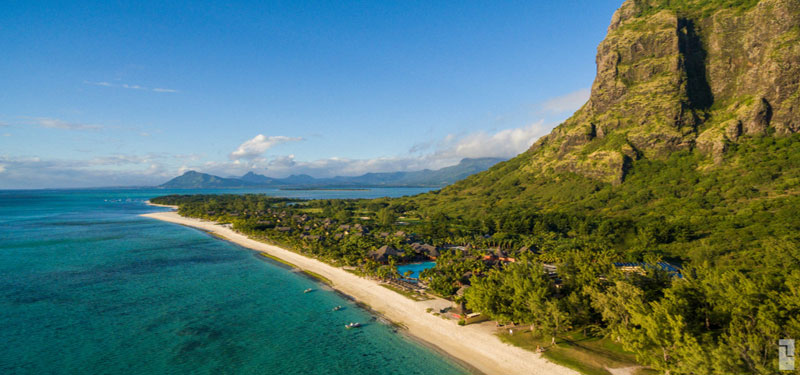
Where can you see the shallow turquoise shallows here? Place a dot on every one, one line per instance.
(89, 287)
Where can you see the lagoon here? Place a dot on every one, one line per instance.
(88, 286)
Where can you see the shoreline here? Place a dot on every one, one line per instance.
(161, 205)
(475, 347)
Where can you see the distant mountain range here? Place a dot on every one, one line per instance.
(423, 178)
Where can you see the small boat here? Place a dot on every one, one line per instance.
(337, 308)
(307, 290)
(352, 325)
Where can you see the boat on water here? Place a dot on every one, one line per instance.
(352, 325)
(337, 308)
(307, 290)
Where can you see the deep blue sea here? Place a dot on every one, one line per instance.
(89, 287)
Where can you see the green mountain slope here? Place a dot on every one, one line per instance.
(197, 180)
(692, 123)
(439, 177)
(687, 151)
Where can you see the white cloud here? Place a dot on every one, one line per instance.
(448, 151)
(156, 168)
(119, 160)
(502, 144)
(282, 162)
(566, 103)
(421, 147)
(53, 123)
(183, 169)
(330, 167)
(34, 172)
(2, 168)
(259, 144)
(131, 86)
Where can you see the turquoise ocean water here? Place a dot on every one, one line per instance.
(89, 287)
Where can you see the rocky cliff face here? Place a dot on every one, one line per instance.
(681, 75)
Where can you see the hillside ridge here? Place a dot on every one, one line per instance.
(423, 178)
(681, 77)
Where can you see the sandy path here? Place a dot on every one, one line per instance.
(475, 345)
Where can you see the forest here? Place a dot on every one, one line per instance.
(555, 267)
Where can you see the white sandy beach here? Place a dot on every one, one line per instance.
(475, 345)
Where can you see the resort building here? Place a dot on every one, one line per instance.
(383, 253)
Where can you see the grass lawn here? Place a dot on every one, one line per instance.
(411, 295)
(410, 219)
(587, 355)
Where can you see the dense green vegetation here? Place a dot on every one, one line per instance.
(682, 207)
(694, 164)
(693, 7)
(540, 251)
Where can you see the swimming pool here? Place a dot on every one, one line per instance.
(415, 268)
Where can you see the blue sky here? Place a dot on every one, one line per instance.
(134, 93)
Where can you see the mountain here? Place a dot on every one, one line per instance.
(691, 127)
(449, 175)
(687, 151)
(257, 179)
(427, 177)
(300, 180)
(433, 178)
(682, 75)
(197, 180)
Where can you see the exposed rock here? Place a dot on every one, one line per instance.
(669, 72)
(713, 142)
(601, 132)
(733, 129)
(759, 118)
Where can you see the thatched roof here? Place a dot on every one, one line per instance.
(383, 253)
(430, 250)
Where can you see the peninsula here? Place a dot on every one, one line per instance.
(658, 222)
(476, 345)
